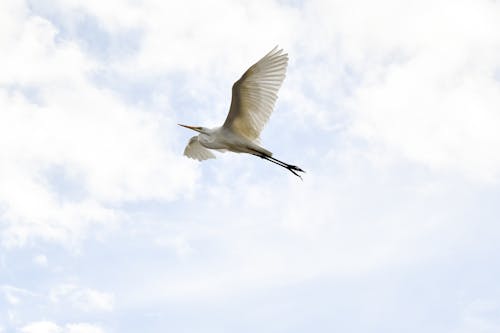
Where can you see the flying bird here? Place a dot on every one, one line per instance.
(252, 102)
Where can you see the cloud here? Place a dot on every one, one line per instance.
(14, 295)
(428, 90)
(85, 299)
(41, 327)
(83, 328)
(390, 107)
(71, 150)
(386, 84)
(51, 327)
(40, 260)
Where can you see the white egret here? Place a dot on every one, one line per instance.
(253, 99)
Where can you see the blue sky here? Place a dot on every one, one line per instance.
(391, 108)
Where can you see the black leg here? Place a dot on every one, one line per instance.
(289, 167)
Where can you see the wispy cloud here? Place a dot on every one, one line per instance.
(85, 299)
(50, 327)
(390, 107)
(109, 151)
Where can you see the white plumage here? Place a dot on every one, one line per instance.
(252, 102)
(255, 94)
(196, 151)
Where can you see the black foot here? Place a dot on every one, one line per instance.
(289, 167)
(296, 168)
(293, 168)
(296, 174)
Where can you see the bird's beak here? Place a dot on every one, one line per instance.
(190, 127)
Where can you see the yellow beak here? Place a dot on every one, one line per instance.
(190, 127)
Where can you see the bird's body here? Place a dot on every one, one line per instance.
(221, 138)
(253, 98)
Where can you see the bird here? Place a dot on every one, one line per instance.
(252, 102)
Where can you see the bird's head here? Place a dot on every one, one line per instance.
(195, 128)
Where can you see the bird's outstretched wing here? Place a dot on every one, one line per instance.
(255, 93)
(196, 151)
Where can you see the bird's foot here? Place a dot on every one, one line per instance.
(293, 168)
(297, 168)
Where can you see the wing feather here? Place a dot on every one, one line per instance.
(255, 93)
(196, 151)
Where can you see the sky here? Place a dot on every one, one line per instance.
(391, 107)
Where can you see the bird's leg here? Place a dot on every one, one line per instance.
(289, 167)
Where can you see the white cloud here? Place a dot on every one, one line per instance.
(40, 260)
(10, 295)
(41, 327)
(54, 118)
(83, 328)
(14, 295)
(416, 78)
(429, 91)
(51, 327)
(359, 221)
(389, 106)
(85, 299)
(370, 75)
